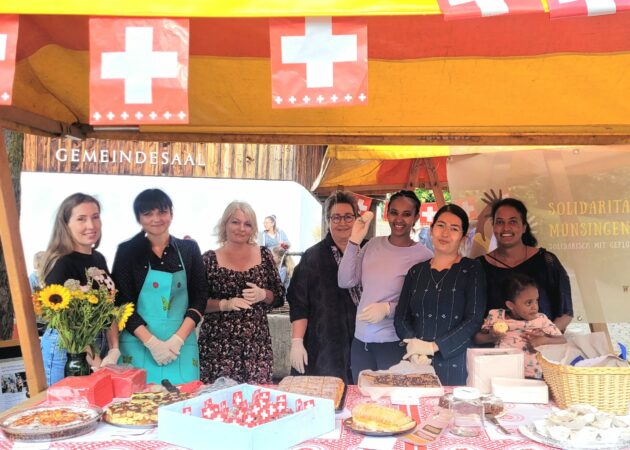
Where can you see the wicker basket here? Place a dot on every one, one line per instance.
(607, 388)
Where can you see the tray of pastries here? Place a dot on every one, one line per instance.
(141, 410)
(375, 379)
(51, 422)
(332, 388)
(377, 420)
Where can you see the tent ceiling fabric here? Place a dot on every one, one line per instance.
(428, 78)
(380, 169)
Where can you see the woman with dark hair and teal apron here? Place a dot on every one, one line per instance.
(164, 277)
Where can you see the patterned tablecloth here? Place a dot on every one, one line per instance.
(113, 438)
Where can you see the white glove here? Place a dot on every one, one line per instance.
(160, 351)
(234, 304)
(374, 313)
(360, 227)
(174, 343)
(418, 347)
(420, 360)
(111, 358)
(254, 294)
(92, 358)
(298, 355)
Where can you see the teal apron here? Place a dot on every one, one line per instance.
(162, 303)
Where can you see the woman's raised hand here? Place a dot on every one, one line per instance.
(360, 227)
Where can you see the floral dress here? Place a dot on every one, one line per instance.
(515, 336)
(237, 344)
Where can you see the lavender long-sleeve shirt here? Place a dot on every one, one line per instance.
(381, 268)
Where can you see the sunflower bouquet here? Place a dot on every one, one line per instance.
(80, 312)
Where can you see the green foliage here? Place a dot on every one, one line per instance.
(427, 196)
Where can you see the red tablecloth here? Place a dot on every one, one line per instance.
(348, 440)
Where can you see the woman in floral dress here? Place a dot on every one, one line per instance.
(244, 285)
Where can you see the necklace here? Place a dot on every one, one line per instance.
(438, 283)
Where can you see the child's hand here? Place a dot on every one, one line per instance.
(535, 338)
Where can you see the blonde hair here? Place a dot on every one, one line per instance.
(230, 210)
(281, 258)
(61, 242)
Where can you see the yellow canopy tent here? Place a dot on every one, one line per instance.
(506, 79)
(502, 80)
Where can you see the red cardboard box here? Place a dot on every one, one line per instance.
(96, 389)
(125, 380)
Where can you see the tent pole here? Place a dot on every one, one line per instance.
(18, 280)
(435, 184)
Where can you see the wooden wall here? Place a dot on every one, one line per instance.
(299, 163)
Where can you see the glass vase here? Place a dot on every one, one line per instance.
(76, 365)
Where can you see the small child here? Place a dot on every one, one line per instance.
(284, 263)
(521, 326)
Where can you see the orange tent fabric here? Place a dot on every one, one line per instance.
(505, 74)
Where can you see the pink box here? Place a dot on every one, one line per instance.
(96, 389)
(125, 380)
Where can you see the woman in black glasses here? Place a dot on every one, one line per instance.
(322, 314)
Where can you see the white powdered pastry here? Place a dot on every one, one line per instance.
(584, 424)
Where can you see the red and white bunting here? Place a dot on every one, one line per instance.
(569, 8)
(364, 203)
(8, 43)
(427, 212)
(138, 71)
(467, 9)
(318, 61)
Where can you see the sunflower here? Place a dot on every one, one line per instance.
(127, 312)
(93, 299)
(55, 297)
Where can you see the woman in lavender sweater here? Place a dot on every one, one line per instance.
(380, 266)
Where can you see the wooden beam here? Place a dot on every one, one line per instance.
(18, 279)
(435, 185)
(281, 136)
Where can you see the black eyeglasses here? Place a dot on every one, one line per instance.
(336, 218)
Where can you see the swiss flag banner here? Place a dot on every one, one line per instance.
(8, 44)
(318, 61)
(466, 9)
(427, 212)
(138, 71)
(363, 202)
(568, 8)
(468, 205)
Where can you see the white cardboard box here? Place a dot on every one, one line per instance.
(195, 432)
(513, 390)
(484, 363)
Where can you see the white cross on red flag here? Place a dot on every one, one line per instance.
(138, 71)
(8, 44)
(363, 202)
(467, 9)
(318, 61)
(569, 8)
(427, 212)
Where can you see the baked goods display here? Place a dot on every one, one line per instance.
(141, 409)
(402, 380)
(326, 387)
(377, 418)
(51, 422)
